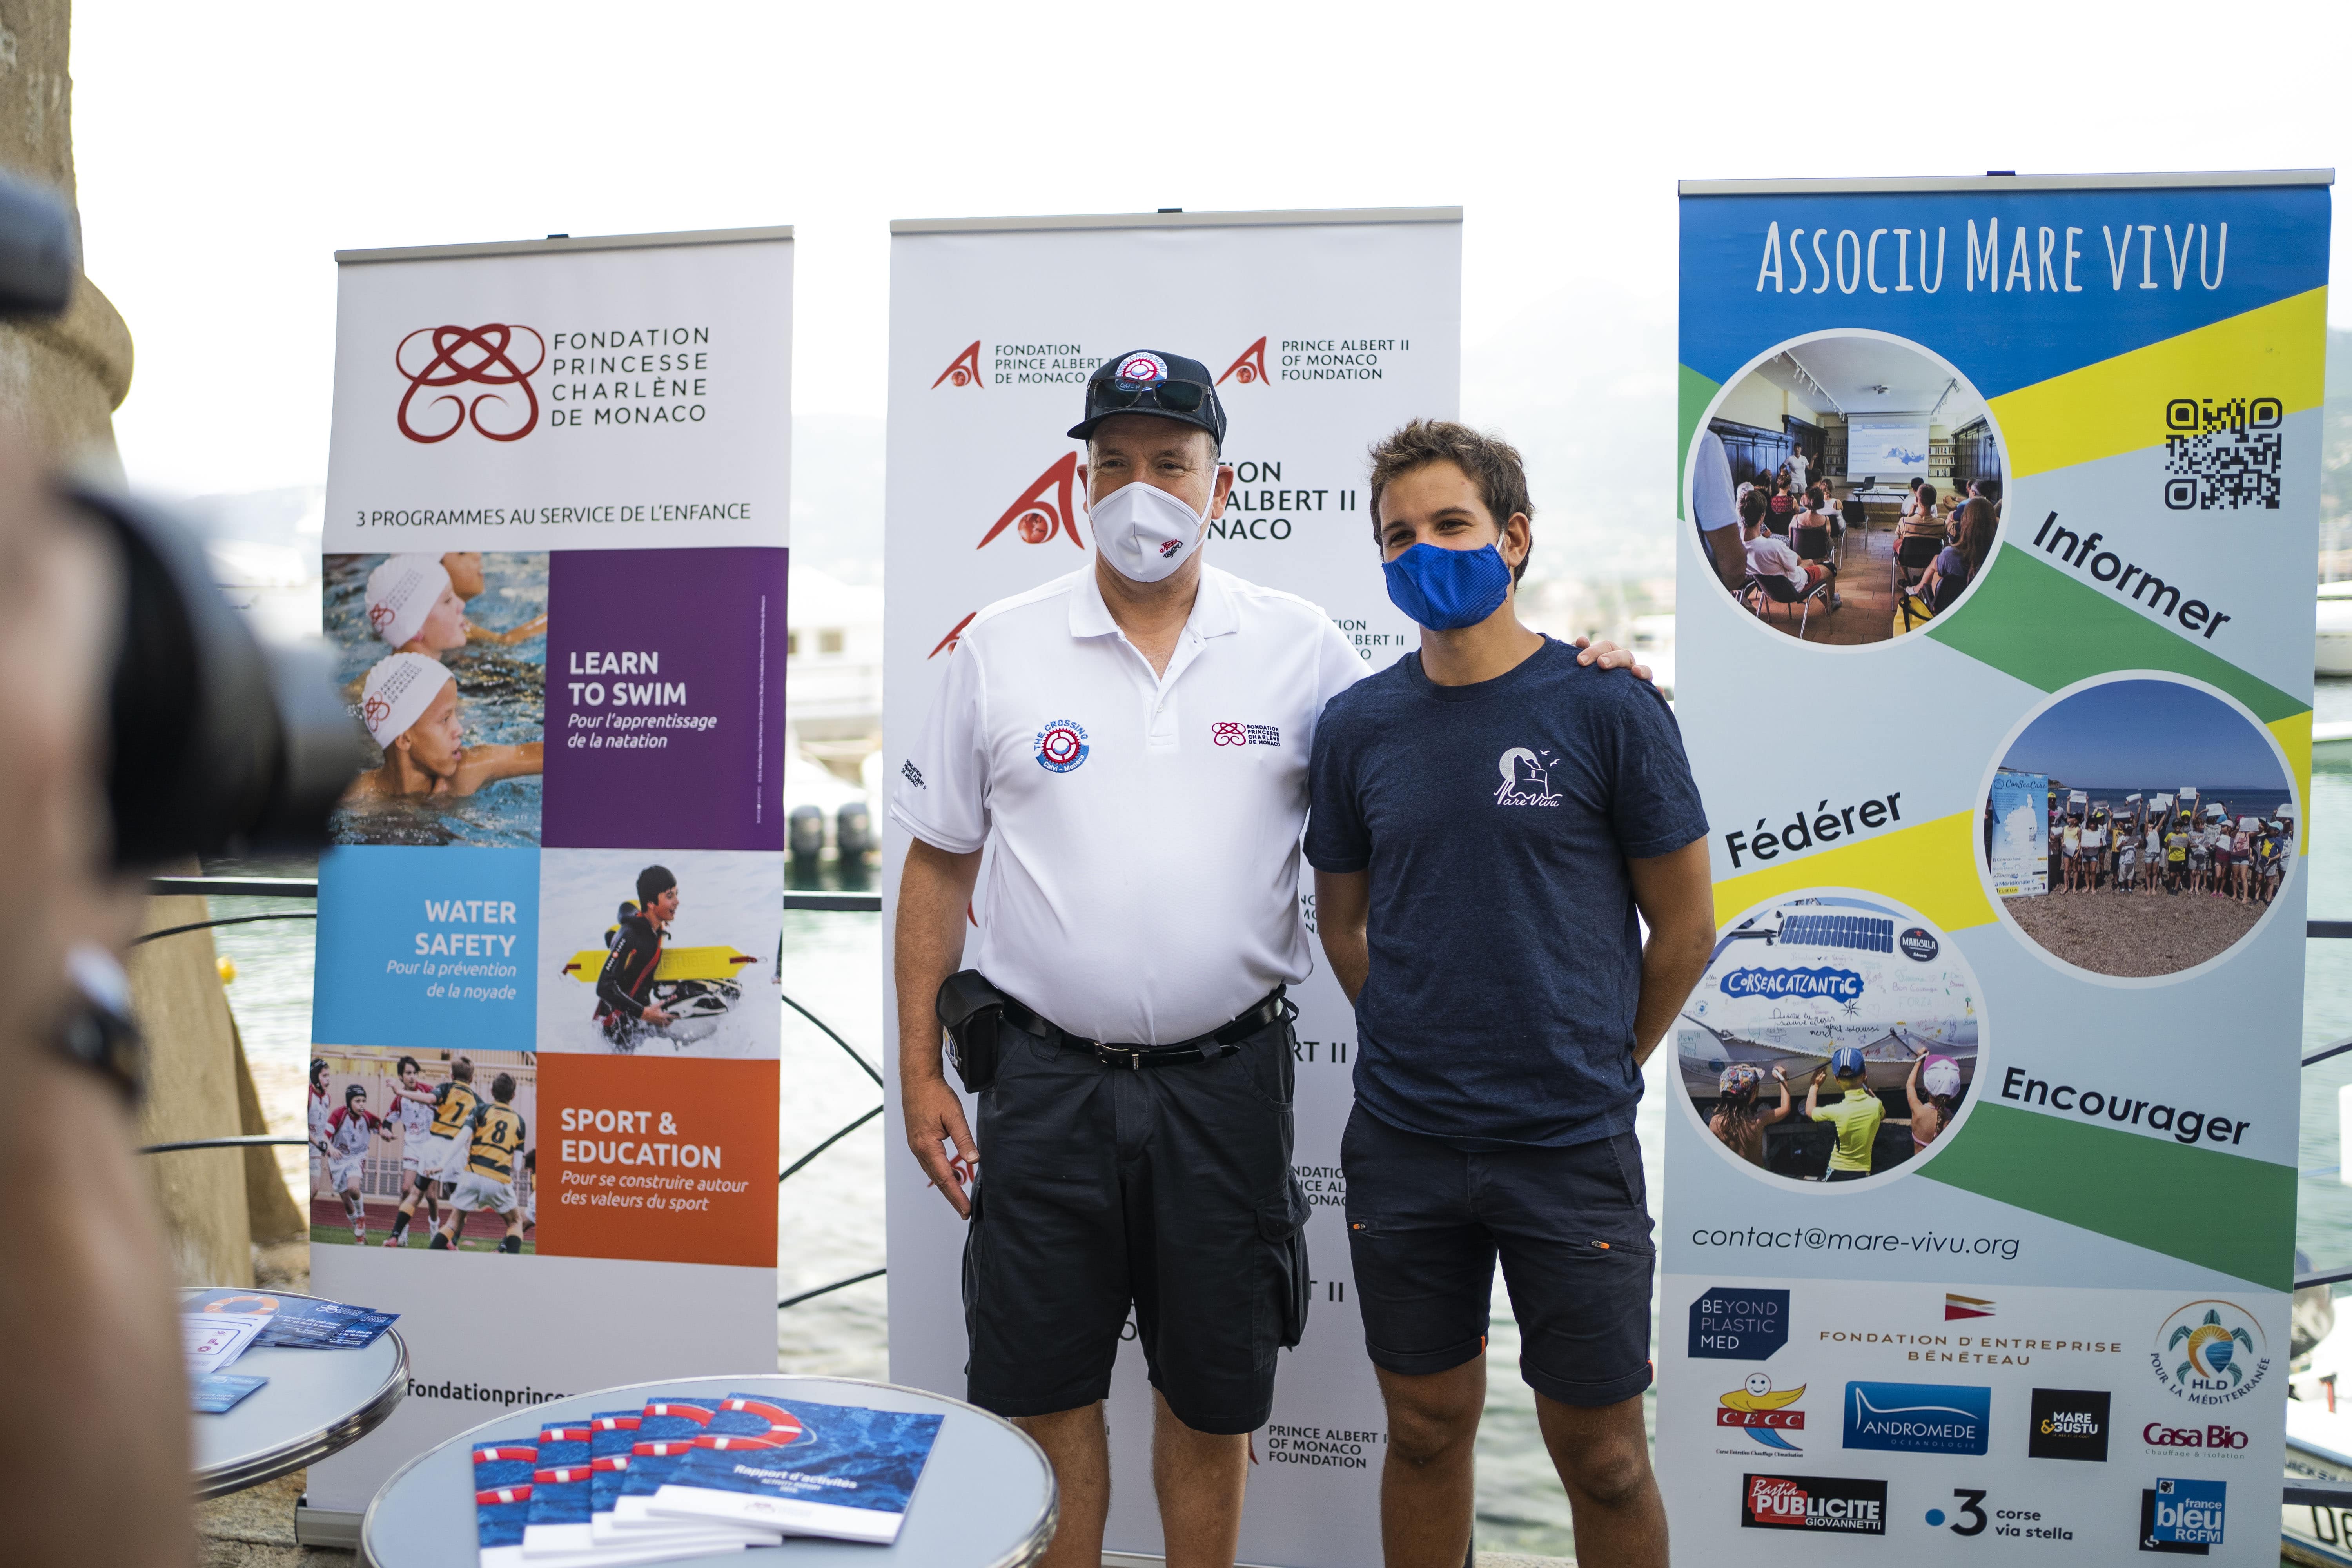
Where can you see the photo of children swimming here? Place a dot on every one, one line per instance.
(1834, 1037)
(2132, 872)
(443, 658)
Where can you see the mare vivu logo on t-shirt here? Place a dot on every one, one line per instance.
(1526, 778)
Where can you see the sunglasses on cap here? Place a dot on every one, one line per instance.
(1115, 393)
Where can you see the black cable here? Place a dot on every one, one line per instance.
(829, 1142)
(226, 920)
(250, 1140)
(837, 1039)
(836, 1285)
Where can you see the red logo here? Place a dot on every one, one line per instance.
(468, 356)
(375, 709)
(1039, 516)
(1249, 367)
(1228, 735)
(955, 635)
(964, 369)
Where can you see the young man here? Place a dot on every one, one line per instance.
(1855, 1115)
(348, 1127)
(409, 704)
(625, 1009)
(412, 1111)
(495, 1134)
(1487, 819)
(1142, 915)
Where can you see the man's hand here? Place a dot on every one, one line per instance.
(1608, 655)
(935, 1123)
(654, 1015)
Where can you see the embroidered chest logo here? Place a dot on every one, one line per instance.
(1526, 778)
(1232, 734)
(1061, 745)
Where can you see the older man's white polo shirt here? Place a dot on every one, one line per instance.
(1144, 883)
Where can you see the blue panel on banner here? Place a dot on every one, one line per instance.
(1919, 1417)
(2140, 251)
(1738, 1324)
(425, 948)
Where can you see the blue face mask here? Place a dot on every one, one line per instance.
(1448, 589)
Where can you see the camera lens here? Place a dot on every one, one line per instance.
(217, 743)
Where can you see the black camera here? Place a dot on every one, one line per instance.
(216, 742)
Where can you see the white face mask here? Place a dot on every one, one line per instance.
(1145, 533)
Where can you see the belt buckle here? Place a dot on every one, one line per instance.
(1116, 1055)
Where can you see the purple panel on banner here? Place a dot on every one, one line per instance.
(665, 699)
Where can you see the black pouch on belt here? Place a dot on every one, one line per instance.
(973, 1013)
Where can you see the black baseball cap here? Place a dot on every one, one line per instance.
(1147, 381)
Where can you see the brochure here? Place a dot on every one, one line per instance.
(214, 1339)
(666, 1430)
(211, 1392)
(557, 1521)
(837, 1470)
(502, 1500)
(298, 1322)
(612, 1434)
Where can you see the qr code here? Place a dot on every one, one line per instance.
(2222, 453)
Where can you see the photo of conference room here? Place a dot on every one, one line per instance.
(1832, 488)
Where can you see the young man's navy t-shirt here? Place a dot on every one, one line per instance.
(1495, 820)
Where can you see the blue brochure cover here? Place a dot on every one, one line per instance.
(502, 1500)
(558, 1520)
(837, 1470)
(666, 1429)
(296, 1321)
(212, 1392)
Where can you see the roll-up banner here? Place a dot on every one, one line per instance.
(1325, 331)
(546, 1020)
(2009, 813)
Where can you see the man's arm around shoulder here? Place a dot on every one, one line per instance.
(934, 890)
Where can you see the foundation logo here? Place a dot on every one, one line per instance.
(1061, 745)
(1248, 366)
(1763, 1411)
(955, 634)
(431, 358)
(1836, 1503)
(2211, 1352)
(1958, 1307)
(963, 370)
(1224, 733)
(1043, 510)
(1526, 778)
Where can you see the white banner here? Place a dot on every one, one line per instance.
(1325, 331)
(555, 544)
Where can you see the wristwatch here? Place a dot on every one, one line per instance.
(97, 1031)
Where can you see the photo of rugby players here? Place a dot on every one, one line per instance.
(2171, 827)
(444, 659)
(430, 1132)
(666, 956)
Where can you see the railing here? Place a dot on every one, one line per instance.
(308, 888)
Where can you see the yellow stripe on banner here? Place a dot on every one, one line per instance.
(2293, 735)
(1931, 867)
(2117, 404)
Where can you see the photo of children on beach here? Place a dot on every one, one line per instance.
(1832, 1038)
(2139, 827)
(435, 1150)
(1848, 489)
(444, 657)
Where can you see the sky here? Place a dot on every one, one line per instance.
(225, 155)
(2148, 734)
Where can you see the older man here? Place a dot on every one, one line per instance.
(1133, 739)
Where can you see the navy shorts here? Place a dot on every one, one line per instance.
(1426, 1221)
(1167, 1192)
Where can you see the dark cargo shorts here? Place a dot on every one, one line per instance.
(1425, 1221)
(1167, 1189)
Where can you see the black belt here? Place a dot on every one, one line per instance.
(1226, 1036)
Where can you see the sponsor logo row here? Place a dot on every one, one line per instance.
(2207, 1353)
(1955, 1419)
(2177, 1514)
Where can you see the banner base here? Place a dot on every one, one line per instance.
(326, 1526)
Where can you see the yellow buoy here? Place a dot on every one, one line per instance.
(228, 967)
